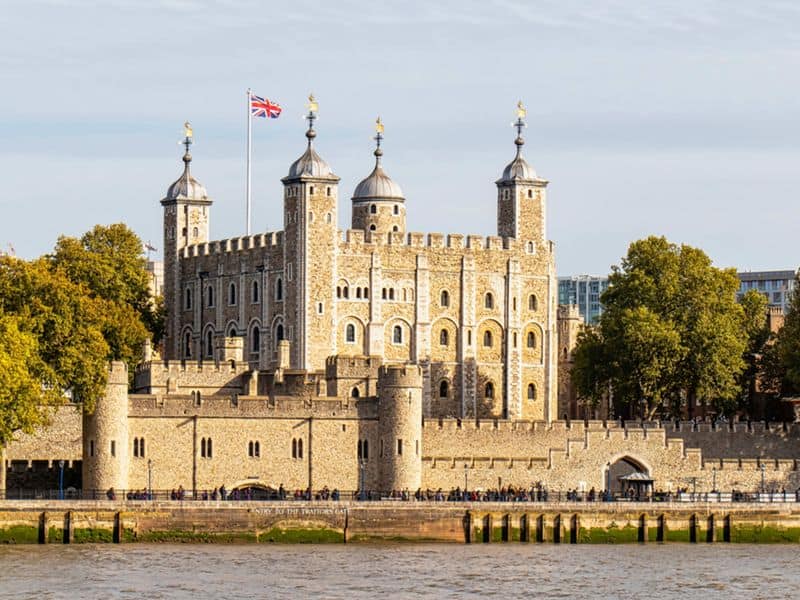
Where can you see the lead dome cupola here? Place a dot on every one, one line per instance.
(310, 164)
(519, 168)
(186, 187)
(378, 185)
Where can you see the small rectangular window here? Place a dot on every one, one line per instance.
(91, 447)
(113, 448)
(399, 447)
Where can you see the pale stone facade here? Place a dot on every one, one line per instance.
(311, 357)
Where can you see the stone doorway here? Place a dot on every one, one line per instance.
(618, 473)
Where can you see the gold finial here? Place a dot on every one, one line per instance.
(379, 125)
(521, 110)
(187, 129)
(312, 103)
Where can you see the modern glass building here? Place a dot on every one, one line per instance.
(583, 291)
(775, 285)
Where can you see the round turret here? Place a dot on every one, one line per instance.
(378, 202)
(400, 427)
(105, 436)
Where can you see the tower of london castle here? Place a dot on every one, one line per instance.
(476, 314)
(373, 358)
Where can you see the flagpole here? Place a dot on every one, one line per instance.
(249, 153)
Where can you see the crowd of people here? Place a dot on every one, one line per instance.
(535, 493)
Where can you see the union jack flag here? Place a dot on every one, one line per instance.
(262, 107)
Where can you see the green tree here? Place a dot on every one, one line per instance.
(108, 261)
(27, 385)
(66, 323)
(671, 329)
(787, 346)
(754, 307)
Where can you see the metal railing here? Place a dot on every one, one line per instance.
(454, 495)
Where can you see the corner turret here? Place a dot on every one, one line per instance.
(105, 436)
(378, 202)
(400, 427)
(521, 200)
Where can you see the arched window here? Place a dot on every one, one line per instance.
(338, 291)
(136, 447)
(203, 447)
(328, 217)
(141, 447)
(279, 289)
(188, 299)
(294, 448)
(299, 448)
(533, 304)
(232, 331)
(255, 340)
(366, 293)
(515, 339)
(232, 294)
(489, 390)
(397, 209)
(209, 449)
(354, 393)
(373, 209)
(358, 293)
(530, 247)
(391, 293)
(487, 339)
(187, 345)
(383, 293)
(530, 193)
(254, 292)
(209, 343)
(444, 299)
(444, 337)
(488, 301)
(279, 333)
(531, 392)
(250, 449)
(365, 449)
(444, 388)
(395, 228)
(397, 334)
(210, 294)
(346, 292)
(350, 333)
(531, 342)
(372, 227)
(257, 448)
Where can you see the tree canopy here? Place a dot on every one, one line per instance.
(787, 347)
(671, 332)
(64, 316)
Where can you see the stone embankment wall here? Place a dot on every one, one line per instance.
(344, 522)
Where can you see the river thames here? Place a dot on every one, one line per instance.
(430, 571)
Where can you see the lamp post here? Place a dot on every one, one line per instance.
(466, 480)
(362, 466)
(149, 479)
(61, 480)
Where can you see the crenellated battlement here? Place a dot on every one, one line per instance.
(356, 239)
(249, 407)
(271, 239)
(191, 367)
(400, 376)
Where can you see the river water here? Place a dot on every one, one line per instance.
(399, 571)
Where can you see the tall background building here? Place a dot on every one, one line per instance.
(584, 291)
(776, 286)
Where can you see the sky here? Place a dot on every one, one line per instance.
(648, 118)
